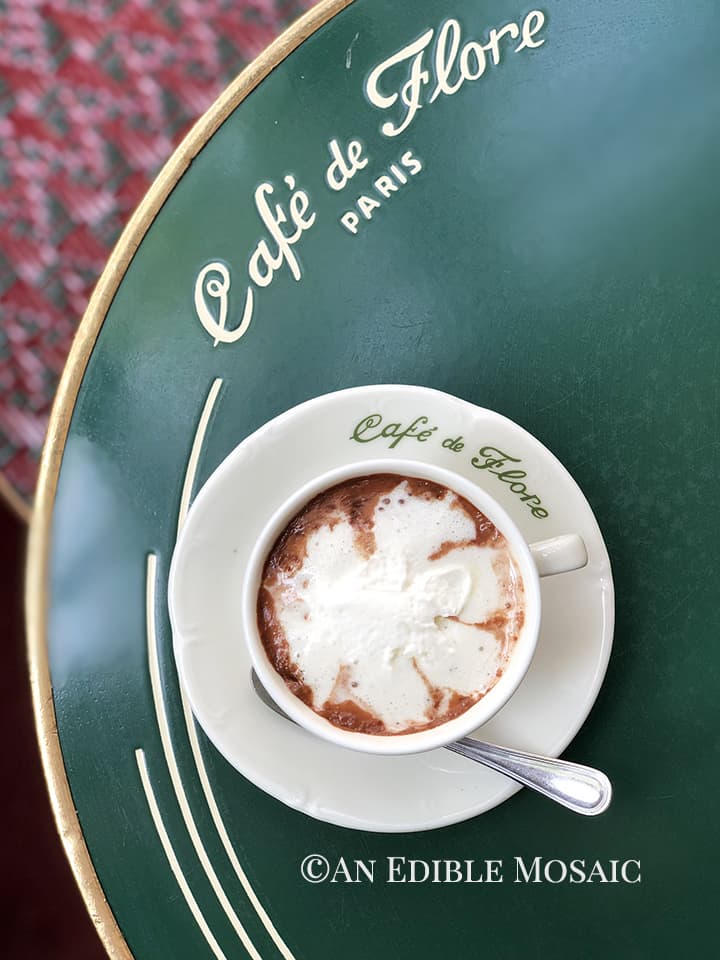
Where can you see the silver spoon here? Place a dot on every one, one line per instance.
(581, 789)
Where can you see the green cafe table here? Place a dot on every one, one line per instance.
(516, 207)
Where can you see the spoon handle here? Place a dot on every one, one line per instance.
(581, 789)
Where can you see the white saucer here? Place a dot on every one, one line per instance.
(340, 786)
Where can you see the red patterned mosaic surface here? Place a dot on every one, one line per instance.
(94, 95)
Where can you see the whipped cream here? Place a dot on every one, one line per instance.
(390, 608)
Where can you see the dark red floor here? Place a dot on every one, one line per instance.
(43, 916)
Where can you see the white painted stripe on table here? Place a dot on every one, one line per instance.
(223, 834)
(196, 449)
(172, 859)
(171, 760)
(187, 493)
(186, 498)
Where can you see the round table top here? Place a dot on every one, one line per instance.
(517, 207)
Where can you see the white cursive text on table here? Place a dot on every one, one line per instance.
(452, 63)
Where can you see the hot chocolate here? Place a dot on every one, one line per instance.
(390, 604)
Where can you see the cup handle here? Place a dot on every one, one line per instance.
(559, 554)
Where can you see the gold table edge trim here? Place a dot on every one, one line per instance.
(36, 590)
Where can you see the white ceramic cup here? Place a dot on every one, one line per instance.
(558, 555)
